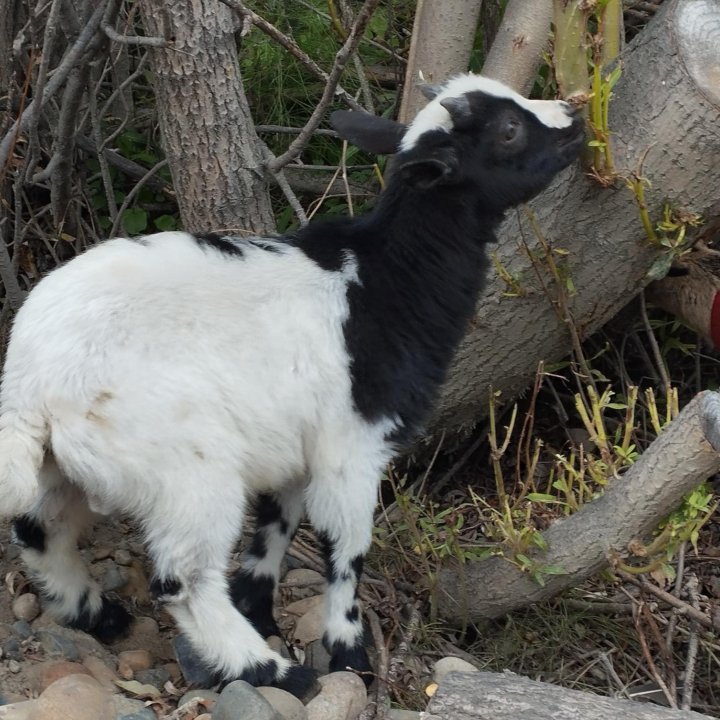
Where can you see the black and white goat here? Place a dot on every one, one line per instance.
(175, 377)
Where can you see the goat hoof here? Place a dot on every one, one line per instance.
(194, 669)
(301, 682)
(112, 623)
(355, 659)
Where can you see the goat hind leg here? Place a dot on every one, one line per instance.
(48, 536)
(252, 587)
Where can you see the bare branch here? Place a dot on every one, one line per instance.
(341, 58)
(115, 36)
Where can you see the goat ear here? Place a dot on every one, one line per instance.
(377, 135)
(426, 173)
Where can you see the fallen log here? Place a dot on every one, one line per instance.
(506, 696)
(684, 455)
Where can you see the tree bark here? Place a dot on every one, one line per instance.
(682, 457)
(442, 38)
(517, 49)
(205, 121)
(664, 120)
(506, 696)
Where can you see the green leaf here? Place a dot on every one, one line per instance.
(661, 267)
(542, 497)
(165, 222)
(134, 221)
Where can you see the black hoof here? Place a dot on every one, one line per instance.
(111, 623)
(354, 659)
(300, 682)
(194, 669)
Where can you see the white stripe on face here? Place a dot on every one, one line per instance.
(551, 113)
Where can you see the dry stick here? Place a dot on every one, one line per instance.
(291, 46)
(683, 607)
(692, 588)
(680, 572)
(377, 708)
(14, 296)
(284, 185)
(651, 663)
(131, 195)
(282, 129)
(654, 345)
(115, 36)
(341, 58)
(59, 76)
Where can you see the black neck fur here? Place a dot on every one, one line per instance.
(421, 265)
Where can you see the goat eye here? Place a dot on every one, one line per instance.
(510, 130)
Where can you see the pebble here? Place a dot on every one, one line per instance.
(311, 625)
(303, 583)
(130, 661)
(144, 633)
(209, 697)
(300, 607)
(317, 657)
(11, 649)
(136, 585)
(343, 697)
(113, 578)
(79, 697)
(144, 714)
(157, 677)
(26, 607)
(240, 701)
(277, 644)
(14, 666)
(125, 708)
(287, 706)
(46, 673)
(395, 714)
(22, 629)
(450, 664)
(193, 668)
(56, 644)
(101, 672)
(204, 716)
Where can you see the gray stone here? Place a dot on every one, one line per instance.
(303, 582)
(192, 666)
(287, 705)
(156, 677)
(26, 607)
(56, 644)
(450, 664)
(113, 578)
(317, 657)
(11, 649)
(144, 714)
(343, 697)
(240, 701)
(395, 714)
(22, 629)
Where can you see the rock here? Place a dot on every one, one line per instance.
(56, 644)
(343, 697)
(311, 625)
(450, 664)
(209, 697)
(145, 634)
(157, 677)
(300, 607)
(79, 697)
(14, 666)
(136, 585)
(22, 629)
(277, 644)
(204, 716)
(104, 674)
(317, 657)
(144, 714)
(193, 668)
(46, 673)
(26, 710)
(173, 670)
(26, 607)
(11, 649)
(130, 661)
(395, 714)
(286, 705)
(240, 701)
(125, 708)
(303, 583)
(122, 557)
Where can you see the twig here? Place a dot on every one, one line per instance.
(291, 46)
(651, 663)
(14, 296)
(115, 36)
(131, 195)
(284, 185)
(685, 608)
(341, 58)
(104, 169)
(60, 74)
(662, 368)
(377, 708)
(672, 624)
(281, 129)
(692, 589)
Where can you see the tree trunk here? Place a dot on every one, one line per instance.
(506, 696)
(664, 120)
(517, 49)
(442, 38)
(682, 457)
(205, 121)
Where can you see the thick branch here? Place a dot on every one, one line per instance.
(516, 52)
(582, 544)
(506, 696)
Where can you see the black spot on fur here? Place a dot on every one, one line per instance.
(253, 597)
(269, 511)
(357, 565)
(264, 244)
(327, 546)
(164, 587)
(353, 615)
(219, 242)
(28, 533)
(355, 658)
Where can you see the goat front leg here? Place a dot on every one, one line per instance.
(340, 506)
(253, 586)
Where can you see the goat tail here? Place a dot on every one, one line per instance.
(23, 437)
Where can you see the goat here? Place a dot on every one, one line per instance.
(174, 377)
